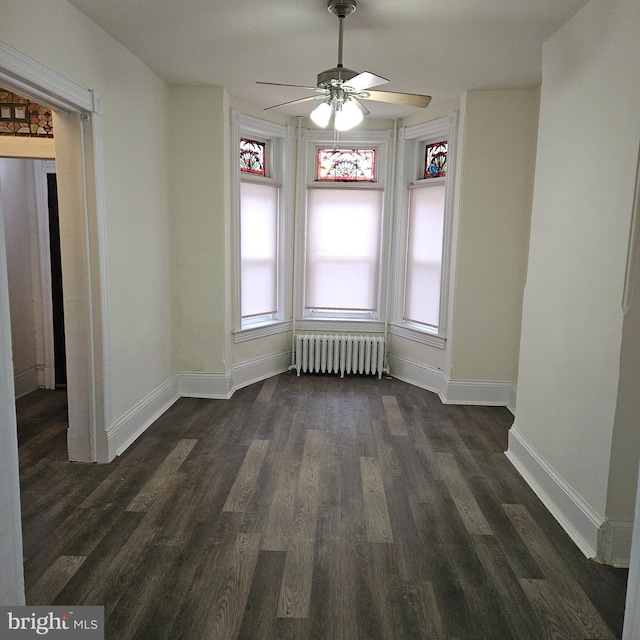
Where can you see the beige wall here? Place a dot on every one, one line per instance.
(198, 199)
(572, 331)
(495, 180)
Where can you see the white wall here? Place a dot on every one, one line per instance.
(23, 269)
(572, 334)
(11, 571)
(136, 178)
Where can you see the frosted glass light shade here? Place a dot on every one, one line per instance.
(348, 117)
(322, 114)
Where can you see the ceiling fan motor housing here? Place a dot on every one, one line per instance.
(341, 8)
(335, 77)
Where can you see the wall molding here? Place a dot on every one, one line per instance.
(476, 392)
(420, 375)
(575, 516)
(481, 392)
(31, 78)
(27, 381)
(202, 384)
(247, 373)
(138, 419)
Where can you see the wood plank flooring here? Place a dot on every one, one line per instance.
(307, 507)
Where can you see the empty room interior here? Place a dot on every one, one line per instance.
(321, 319)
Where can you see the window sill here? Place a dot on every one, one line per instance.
(340, 325)
(423, 182)
(262, 330)
(412, 332)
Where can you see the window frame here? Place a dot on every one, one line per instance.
(342, 320)
(280, 169)
(410, 171)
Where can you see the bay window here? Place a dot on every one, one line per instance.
(360, 259)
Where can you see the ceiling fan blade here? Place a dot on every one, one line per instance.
(299, 101)
(407, 99)
(362, 107)
(280, 84)
(365, 80)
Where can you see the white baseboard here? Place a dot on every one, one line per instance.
(481, 392)
(614, 543)
(221, 386)
(575, 516)
(202, 384)
(27, 381)
(478, 392)
(45, 377)
(133, 423)
(193, 384)
(247, 373)
(420, 375)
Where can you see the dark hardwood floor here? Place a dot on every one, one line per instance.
(308, 507)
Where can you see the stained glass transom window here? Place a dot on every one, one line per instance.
(346, 165)
(21, 117)
(435, 160)
(252, 157)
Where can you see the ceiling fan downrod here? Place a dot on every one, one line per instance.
(339, 74)
(341, 9)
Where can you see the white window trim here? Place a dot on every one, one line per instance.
(281, 168)
(410, 160)
(312, 139)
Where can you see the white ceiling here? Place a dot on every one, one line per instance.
(435, 47)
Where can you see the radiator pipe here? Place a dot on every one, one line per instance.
(394, 157)
(296, 213)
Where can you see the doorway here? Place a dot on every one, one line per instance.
(57, 302)
(77, 143)
(34, 274)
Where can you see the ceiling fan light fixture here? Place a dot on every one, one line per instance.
(322, 114)
(341, 88)
(348, 116)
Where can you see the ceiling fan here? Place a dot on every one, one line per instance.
(342, 89)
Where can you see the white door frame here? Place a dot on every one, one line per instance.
(12, 574)
(79, 151)
(40, 170)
